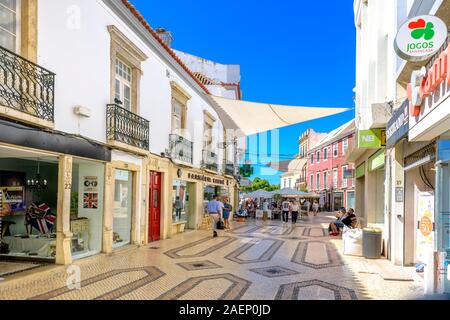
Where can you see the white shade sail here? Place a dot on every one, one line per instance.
(252, 117)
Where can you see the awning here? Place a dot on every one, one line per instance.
(252, 117)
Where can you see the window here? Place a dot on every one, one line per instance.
(344, 145)
(180, 100)
(311, 182)
(318, 180)
(325, 154)
(123, 81)
(312, 158)
(325, 182)
(290, 183)
(335, 150)
(208, 131)
(9, 24)
(335, 178)
(344, 180)
(318, 156)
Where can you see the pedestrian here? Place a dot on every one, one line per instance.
(285, 207)
(334, 227)
(295, 208)
(265, 208)
(315, 208)
(215, 210)
(227, 208)
(308, 206)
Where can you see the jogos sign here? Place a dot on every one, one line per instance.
(420, 37)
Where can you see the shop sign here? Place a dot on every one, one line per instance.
(424, 82)
(425, 236)
(361, 170)
(372, 139)
(377, 160)
(398, 126)
(207, 179)
(420, 37)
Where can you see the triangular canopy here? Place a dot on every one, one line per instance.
(252, 117)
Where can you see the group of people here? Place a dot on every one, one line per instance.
(343, 218)
(219, 211)
(314, 207)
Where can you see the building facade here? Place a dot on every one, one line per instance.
(328, 172)
(400, 155)
(108, 138)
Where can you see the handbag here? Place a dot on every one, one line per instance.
(220, 225)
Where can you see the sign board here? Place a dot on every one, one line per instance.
(377, 160)
(372, 139)
(398, 126)
(399, 192)
(361, 170)
(425, 216)
(420, 37)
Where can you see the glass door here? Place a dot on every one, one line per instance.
(122, 214)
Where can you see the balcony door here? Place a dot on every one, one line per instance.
(123, 84)
(9, 24)
(154, 208)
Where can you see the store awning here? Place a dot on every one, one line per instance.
(252, 117)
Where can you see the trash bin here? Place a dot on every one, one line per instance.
(372, 243)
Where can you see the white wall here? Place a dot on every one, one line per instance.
(75, 44)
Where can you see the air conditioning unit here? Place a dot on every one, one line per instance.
(82, 111)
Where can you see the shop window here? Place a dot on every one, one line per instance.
(86, 207)
(123, 207)
(180, 201)
(28, 209)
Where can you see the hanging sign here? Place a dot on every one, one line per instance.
(398, 126)
(420, 37)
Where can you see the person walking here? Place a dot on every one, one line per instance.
(315, 208)
(265, 208)
(227, 208)
(295, 208)
(285, 207)
(308, 206)
(215, 209)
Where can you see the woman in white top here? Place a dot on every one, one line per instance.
(295, 207)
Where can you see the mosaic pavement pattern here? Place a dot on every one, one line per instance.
(256, 260)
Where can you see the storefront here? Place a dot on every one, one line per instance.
(191, 191)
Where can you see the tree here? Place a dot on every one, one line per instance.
(258, 184)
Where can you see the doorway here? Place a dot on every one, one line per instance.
(154, 208)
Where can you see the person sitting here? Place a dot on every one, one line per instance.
(350, 220)
(335, 226)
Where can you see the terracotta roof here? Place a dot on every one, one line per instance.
(144, 22)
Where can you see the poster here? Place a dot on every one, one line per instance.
(90, 184)
(425, 217)
(90, 201)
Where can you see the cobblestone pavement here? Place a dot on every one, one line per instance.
(256, 260)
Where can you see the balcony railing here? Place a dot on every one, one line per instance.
(26, 87)
(210, 160)
(127, 127)
(229, 168)
(180, 148)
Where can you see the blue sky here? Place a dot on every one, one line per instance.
(293, 52)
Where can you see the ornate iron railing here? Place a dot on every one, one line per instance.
(127, 127)
(180, 148)
(25, 86)
(210, 160)
(229, 168)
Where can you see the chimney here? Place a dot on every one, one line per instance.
(165, 35)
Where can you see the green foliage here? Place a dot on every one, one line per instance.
(258, 184)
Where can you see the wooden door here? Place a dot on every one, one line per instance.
(154, 208)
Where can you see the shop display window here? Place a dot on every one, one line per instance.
(123, 206)
(180, 201)
(28, 209)
(86, 209)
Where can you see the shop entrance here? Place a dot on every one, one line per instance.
(154, 208)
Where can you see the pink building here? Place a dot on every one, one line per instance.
(328, 173)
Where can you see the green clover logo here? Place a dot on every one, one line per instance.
(422, 29)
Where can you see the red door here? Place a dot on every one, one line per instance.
(154, 208)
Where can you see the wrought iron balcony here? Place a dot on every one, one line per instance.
(180, 148)
(127, 127)
(26, 87)
(229, 168)
(210, 160)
